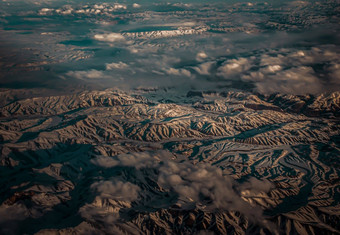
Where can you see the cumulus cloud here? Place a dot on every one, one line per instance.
(96, 9)
(106, 162)
(104, 208)
(288, 71)
(97, 213)
(201, 56)
(296, 58)
(267, 60)
(256, 185)
(201, 185)
(109, 37)
(178, 72)
(136, 5)
(204, 68)
(206, 186)
(182, 4)
(233, 67)
(45, 11)
(65, 10)
(87, 75)
(271, 69)
(300, 80)
(136, 160)
(114, 66)
(124, 191)
(117, 6)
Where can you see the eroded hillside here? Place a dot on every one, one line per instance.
(111, 162)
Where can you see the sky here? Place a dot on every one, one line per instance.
(289, 47)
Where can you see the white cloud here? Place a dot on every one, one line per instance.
(206, 185)
(178, 72)
(99, 6)
(109, 37)
(233, 67)
(136, 5)
(114, 66)
(111, 197)
(106, 162)
(65, 10)
(137, 160)
(256, 185)
(133, 50)
(201, 56)
(290, 71)
(296, 58)
(96, 9)
(100, 214)
(80, 11)
(204, 69)
(271, 69)
(45, 11)
(118, 6)
(118, 190)
(201, 184)
(300, 80)
(87, 75)
(182, 4)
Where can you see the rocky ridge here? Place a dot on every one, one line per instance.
(70, 158)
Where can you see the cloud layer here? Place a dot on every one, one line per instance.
(202, 185)
(124, 191)
(267, 47)
(109, 37)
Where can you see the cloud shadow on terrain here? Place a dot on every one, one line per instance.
(60, 187)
